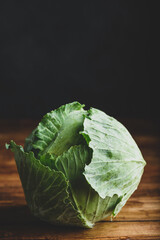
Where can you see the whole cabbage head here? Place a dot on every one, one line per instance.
(78, 167)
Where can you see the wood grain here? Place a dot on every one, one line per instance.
(139, 219)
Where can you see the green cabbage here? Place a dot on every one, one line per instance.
(78, 167)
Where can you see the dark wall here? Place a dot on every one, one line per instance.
(97, 52)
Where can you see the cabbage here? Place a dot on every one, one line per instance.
(78, 167)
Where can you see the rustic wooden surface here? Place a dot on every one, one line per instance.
(139, 219)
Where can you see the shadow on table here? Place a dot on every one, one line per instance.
(20, 216)
(16, 215)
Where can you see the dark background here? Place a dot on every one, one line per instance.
(101, 53)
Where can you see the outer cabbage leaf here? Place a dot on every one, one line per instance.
(117, 164)
(88, 202)
(46, 190)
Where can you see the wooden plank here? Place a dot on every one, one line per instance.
(13, 211)
(102, 230)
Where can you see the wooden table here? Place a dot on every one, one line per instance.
(139, 219)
